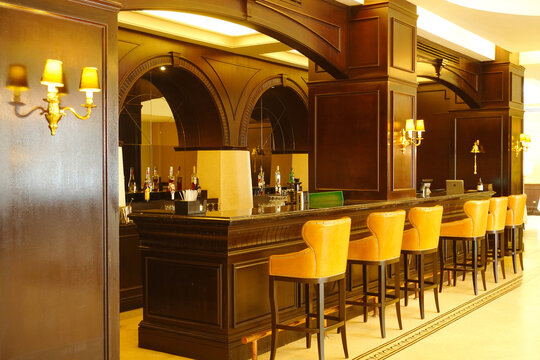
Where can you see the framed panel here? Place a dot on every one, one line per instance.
(492, 86)
(365, 51)
(403, 170)
(347, 132)
(403, 46)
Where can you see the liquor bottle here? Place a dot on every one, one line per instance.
(291, 177)
(147, 185)
(480, 185)
(172, 185)
(194, 181)
(277, 178)
(260, 181)
(132, 184)
(179, 179)
(155, 180)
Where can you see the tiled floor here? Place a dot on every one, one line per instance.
(500, 324)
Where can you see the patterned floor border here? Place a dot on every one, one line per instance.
(413, 336)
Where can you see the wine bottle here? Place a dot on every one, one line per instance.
(291, 177)
(480, 185)
(132, 184)
(155, 180)
(260, 181)
(277, 178)
(172, 185)
(147, 185)
(194, 182)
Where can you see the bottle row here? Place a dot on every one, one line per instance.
(152, 183)
(277, 181)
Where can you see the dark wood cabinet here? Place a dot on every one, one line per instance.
(131, 296)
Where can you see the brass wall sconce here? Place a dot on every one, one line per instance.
(476, 149)
(522, 144)
(54, 80)
(411, 134)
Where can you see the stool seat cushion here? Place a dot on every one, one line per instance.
(385, 243)
(326, 255)
(474, 225)
(424, 235)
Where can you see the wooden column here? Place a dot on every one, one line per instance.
(355, 123)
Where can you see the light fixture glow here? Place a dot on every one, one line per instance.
(203, 22)
(515, 7)
(529, 57)
(443, 31)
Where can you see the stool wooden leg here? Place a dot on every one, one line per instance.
(514, 249)
(436, 280)
(342, 316)
(420, 262)
(382, 297)
(308, 317)
(320, 320)
(275, 317)
(454, 271)
(442, 245)
(475, 267)
(397, 294)
(483, 260)
(501, 254)
(406, 278)
(521, 247)
(495, 255)
(364, 288)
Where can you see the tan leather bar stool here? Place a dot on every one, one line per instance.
(470, 230)
(422, 240)
(324, 260)
(514, 228)
(495, 234)
(380, 249)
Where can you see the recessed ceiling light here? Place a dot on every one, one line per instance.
(203, 22)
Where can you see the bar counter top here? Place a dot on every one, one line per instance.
(205, 278)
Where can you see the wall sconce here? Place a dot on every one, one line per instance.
(522, 144)
(54, 80)
(411, 134)
(476, 149)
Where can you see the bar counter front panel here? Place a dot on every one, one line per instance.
(205, 278)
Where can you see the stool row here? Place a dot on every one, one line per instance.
(330, 257)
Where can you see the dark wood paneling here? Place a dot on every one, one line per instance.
(59, 242)
(403, 46)
(533, 197)
(346, 135)
(516, 88)
(131, 294)
(493, 87)
(403, 170)
(364, 51)
(489, 130)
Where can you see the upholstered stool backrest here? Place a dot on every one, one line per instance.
(387, 228)
(427, 223)
(516, 209)
(329, 240)
(477, 211)
(497, 213)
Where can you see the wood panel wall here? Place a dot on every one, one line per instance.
(59, 216)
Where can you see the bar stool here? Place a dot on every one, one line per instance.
(421, 240)
(381, 249)
(325, 260)
(495, 226)
(514, 228)
(469, 230)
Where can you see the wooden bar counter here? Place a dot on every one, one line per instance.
(205, 278)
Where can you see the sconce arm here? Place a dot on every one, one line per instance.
(18, 104)
(81, 117)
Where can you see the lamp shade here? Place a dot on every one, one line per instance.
(409, 125)
(17, 78)
(89, 80)
(522, 137)
(52, 74)
(420, 125)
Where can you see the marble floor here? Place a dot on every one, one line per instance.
(502, 323)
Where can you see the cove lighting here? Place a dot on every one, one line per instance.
(515, 7)
(529, 57)
(203, 22)
(449, 34)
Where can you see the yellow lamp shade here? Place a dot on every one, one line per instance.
(409, 125)
(420, 125)
(528, 138)
(17, 78)
(89, 80)
(522, 137)
(52, 74)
